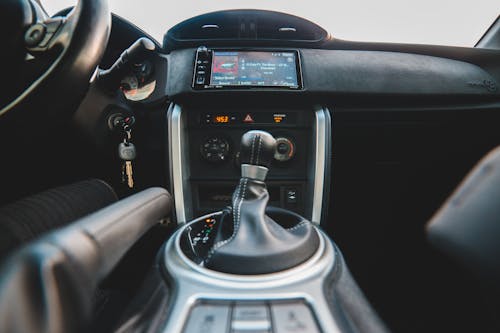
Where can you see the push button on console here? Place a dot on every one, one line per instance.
(200, 79)
(250, 318)
(250, 312)
(293, 318)
(208, 318)
(291, 196)
(285, 149)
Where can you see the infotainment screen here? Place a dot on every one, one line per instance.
(255, 68)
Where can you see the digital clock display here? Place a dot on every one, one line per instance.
(221, 119)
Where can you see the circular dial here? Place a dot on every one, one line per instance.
(215, 149)
(129, 84)
(285, 149)
(134, 90)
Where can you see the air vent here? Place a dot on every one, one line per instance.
(245, 25)
(206, 27)
(287, 27)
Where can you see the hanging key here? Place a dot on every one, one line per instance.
(127, 153)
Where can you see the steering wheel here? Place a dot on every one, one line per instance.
(69, 47)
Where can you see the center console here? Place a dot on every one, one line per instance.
(204, 140)
(250, 267)
(204, 157)
(289, 301)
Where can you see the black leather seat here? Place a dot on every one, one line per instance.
(27, 219)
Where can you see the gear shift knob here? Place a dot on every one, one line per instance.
(257, 148)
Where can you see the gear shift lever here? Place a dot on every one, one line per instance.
(250, 242)
(257, 152)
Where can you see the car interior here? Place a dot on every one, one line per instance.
(249, 173)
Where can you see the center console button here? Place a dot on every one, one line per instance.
(293, 318)
(291, 196)
(285, 149)
(208, 318)
(250, 312)
(251, 327)
(215, 149)
(250, 318)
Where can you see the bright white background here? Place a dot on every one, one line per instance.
(443, 22)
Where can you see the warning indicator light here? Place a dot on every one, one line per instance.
(248, 118)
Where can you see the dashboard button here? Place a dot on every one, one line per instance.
(248, 118)
(200, 79)
(35, 34)
(208, 318)
(293, 318)
(215, 149)
(292, 194)
(285, 149)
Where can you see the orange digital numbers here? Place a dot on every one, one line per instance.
(221, 119)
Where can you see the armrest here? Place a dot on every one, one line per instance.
(48, 285)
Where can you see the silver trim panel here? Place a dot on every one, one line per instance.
(176, 159)
(193, 283)
(319, 165)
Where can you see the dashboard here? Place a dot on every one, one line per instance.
(276, 72)
(238, 70)
(372, 136)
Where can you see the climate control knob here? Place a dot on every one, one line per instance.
(215, 149)
(285, 149)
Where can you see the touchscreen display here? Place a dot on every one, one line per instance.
(254, 68)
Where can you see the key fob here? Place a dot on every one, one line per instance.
(126, 151)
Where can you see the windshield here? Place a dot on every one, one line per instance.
(441, 22)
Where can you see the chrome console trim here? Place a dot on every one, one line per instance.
(319, 164)
(176, 154)
(192, 283)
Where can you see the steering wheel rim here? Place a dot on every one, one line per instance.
(83, 35)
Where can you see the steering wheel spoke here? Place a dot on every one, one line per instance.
(45, 36)
(69, 49)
